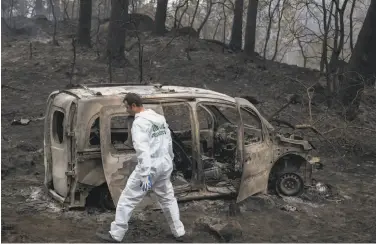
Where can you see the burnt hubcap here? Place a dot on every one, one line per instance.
(290, 184)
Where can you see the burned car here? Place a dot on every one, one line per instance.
(222, 145)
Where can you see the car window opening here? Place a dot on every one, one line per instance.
(58, 126)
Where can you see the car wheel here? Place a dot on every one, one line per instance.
(105, 199)
(289, 184)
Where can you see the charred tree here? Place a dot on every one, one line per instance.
(208, 12)
(182, 15)
(237, 26)
(351, 25)
(39, 9)
(324, 53)
(116, 33)
(216, 28)
(271, 17)
(54, 41)
(339, 37)
(176, 13)
(73, 5)
(22, 7)
(84, 24)
(250, 31)
(361, 68)
(160, 17)
(195, 13)
(280, 16)
(57, 9)
(65, 10)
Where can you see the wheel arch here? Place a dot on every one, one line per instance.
(290, 162)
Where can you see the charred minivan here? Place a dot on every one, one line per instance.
(222, 145)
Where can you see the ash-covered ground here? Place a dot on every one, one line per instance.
(348, 150)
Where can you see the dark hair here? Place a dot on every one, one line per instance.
(133, 98)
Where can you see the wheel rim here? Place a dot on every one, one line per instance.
(289, 184)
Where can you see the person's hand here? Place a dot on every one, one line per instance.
(145, 183)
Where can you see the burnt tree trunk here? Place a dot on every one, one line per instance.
(339, 37)
(84, 23)
(116, 33)
(268, 30)
(237, 26)
(324, 48)
(160, 17)
(224, 26)
(280, 16)
(39, 9)
(22, 7)
(176, 14)
(57, 9)
(351, 25)
(208, 12)
(250, 32)
(335, 65)
(362, 65)
(195, 13)
(216, 28)
(73, 5)
(182, 15)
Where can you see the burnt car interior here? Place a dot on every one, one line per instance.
(218, 138)
(217, 150)
(218, 128)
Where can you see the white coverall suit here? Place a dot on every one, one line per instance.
(153, 144)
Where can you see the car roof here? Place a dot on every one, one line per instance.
(87, 91)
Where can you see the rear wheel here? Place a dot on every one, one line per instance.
(100, 197)
(105, 199)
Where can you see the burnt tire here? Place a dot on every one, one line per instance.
(105, 199)
(100, 197)
(289, 184)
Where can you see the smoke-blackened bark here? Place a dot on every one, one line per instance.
(84, 24)
(160, 17)
(250, 32)
(237, 26)
(116, 33)
(362, 65)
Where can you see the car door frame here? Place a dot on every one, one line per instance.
(61, 174)
(210, 131)
(257, 158)
(199, 101)
(117, 166)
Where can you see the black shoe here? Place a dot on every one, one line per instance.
(106, 237)
(181, 238)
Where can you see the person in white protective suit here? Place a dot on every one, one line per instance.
(153, 145)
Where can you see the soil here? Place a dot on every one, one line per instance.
(348, 151)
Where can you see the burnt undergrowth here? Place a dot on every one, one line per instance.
(347, 149)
